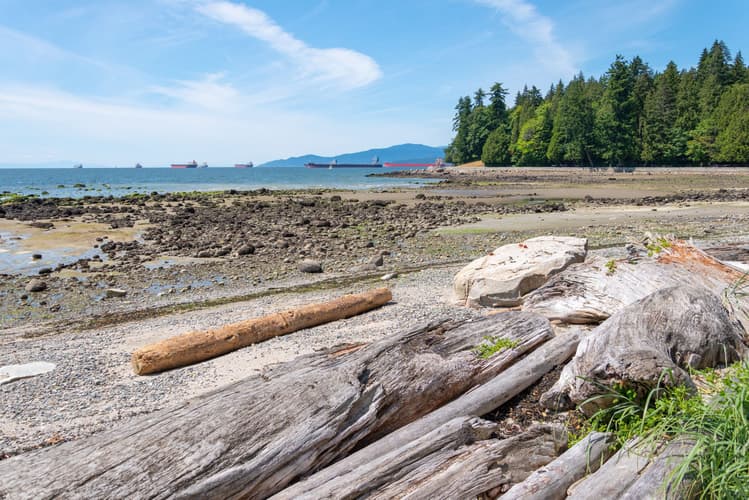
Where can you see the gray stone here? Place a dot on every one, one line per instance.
(310, 266)
(115, 292)
(36, 285)
(501, 278)
(246, 250)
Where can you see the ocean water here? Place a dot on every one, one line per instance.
(79, 182)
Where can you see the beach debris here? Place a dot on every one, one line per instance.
(388, 276)
(115, 292)
(198, 346)
(36, 285)
(309, 266)
(668, 332)
(10, 373)
(501, 278)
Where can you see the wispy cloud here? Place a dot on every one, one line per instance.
(208, 93)
(342, 67)
(523, 18)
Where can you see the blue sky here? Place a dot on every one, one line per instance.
(156, 81)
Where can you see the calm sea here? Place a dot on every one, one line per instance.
(72, 182)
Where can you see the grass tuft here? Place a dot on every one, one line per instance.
(494, 344)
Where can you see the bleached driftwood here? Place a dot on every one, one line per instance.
(593, 291)
(614, 476)
(194, 347)
(551, 481)
(459, 459)
(652, 341)
(655, 482)
(478, 401)
(256, 436)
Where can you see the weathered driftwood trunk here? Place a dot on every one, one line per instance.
(591, 292)
(254, 437)
(656, 481)
(478, 401)
(458, 459)
(614, 477)
(551, 481)
(654, 341)
(194, 347)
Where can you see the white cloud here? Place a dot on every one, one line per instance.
(342, 67)
(208, 93)
(523, 19)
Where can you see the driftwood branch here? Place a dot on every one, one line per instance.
(615, 476)
(194, 347)
(552, 481)
(257, 436)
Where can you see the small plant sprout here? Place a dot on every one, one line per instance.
(494, 344)
(611, 267)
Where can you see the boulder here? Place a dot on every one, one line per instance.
(310, 266)
(36, 285)
(501, 278)
(652, 341)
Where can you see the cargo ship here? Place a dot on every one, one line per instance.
(244, 165)
(436, 164)
(192, 164)
(334, 164)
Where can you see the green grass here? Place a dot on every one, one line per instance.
(492, 345)
(611, 267)
(657, 246)
(717, 467)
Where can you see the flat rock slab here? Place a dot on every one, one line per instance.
(501, 278)
(10, 373)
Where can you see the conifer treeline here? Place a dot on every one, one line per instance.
(629, 116)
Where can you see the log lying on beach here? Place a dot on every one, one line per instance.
(194, 347)
(459, 459)
(656, 480)
(256, 436)
(478, 401)
(593, 291)
(551, 481)
(667, 332)
(614, 476)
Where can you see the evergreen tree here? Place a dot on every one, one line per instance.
(572, 138)
(732, 122)
(496, 150)
(660, 133)
(616, 116)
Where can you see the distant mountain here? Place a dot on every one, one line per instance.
(402, 153)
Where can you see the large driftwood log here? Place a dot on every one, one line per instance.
(459, 459)
(656, 482)
(655, 340)
(552, 481)
(478, 401)
(254, 437)
(614, 476)
(194, 347)
(592, 291)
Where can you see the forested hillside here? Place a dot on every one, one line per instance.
(629, 116)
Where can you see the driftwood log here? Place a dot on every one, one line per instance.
(478, 401)
(656, 480)
(459, 459)
(614, 476)
(667, 332)
(194, 347)
(257, 436)
(551, 481)
(593, 291)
